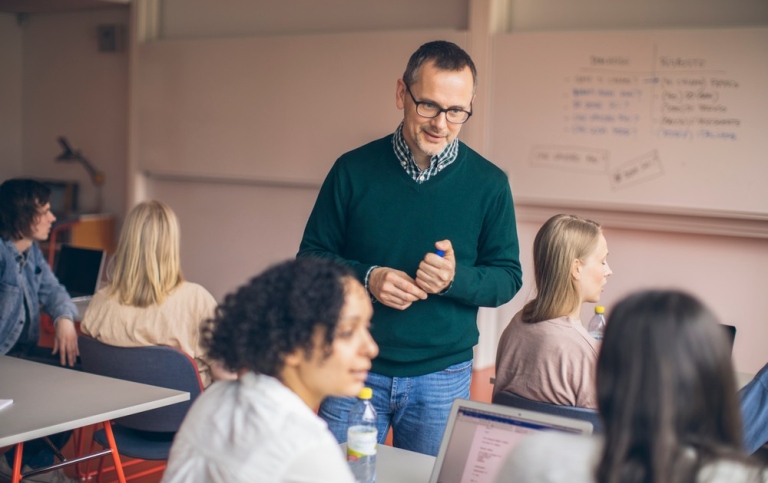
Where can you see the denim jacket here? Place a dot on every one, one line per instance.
(754, 409)
(33, 280)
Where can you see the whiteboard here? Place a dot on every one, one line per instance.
(273, 109)
(640, 120)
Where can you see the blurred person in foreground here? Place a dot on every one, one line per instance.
(296, 334)
(666, 393)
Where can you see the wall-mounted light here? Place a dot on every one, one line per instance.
(70, 155)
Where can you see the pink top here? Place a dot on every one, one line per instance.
(552, 361)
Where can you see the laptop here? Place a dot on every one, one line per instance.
(80, 271)
(479, 436)
(730, 333)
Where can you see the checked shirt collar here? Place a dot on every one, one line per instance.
(436, 164)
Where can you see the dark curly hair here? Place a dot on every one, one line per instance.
(275, 314)
(20, 200)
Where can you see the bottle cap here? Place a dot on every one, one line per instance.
(599, 309)
(439, 252)
(366, 393)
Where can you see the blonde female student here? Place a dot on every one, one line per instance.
(147, 301)
(297, 333)
(545, 353)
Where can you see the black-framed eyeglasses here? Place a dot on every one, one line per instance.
(430, 110)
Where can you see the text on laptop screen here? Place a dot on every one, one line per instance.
(480, 442)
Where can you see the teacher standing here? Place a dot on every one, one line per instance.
(387, 209)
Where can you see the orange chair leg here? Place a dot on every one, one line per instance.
(115, 454)
(16, 472)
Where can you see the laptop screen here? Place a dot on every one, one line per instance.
(79, 270)
(479, 436)
(730, 333)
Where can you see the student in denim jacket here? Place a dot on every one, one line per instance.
(28, 286)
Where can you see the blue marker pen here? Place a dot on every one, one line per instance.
(439, 252)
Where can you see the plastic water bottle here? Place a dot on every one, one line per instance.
(362, 437)
(596, 325)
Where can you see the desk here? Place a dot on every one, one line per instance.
(395, 465)
(49, 399)
(742, 379)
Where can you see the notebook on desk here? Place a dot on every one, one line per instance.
(80, 270)
(479, 436)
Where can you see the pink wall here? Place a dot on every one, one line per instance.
(10, 96)
(232, 231)
(264, 223)
(72, 89)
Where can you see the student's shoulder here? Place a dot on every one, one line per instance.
(552, 457)
(37, 257)
(194, 289)
(5, 249)
(727, 471)
(193, 299)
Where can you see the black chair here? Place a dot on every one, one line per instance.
(506, 398)
(147, 435)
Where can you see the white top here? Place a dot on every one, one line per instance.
(254, 429)
(565, 458)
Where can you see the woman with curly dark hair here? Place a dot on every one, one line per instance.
(666, 392)
(297, 334)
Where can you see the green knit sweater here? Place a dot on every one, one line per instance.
(371, 212)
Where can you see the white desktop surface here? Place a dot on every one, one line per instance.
(81, 306)
(49, 399)
(743, 378)
(395, 465)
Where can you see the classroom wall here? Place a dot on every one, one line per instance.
(186, 19)
(10, 96)
(72, 89)
(551, 15)
(232, 231)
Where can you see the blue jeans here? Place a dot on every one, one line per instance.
(417, 408)
(36, 453)
(754, 410)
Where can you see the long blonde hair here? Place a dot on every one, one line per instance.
(147, 266)
(559, 242)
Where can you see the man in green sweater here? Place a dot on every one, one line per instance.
(428, 226)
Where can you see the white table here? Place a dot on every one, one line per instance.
(49, 399)
(743, 378)
(395, 465)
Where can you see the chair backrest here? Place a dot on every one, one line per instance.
(154, 365)
(510, 399)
